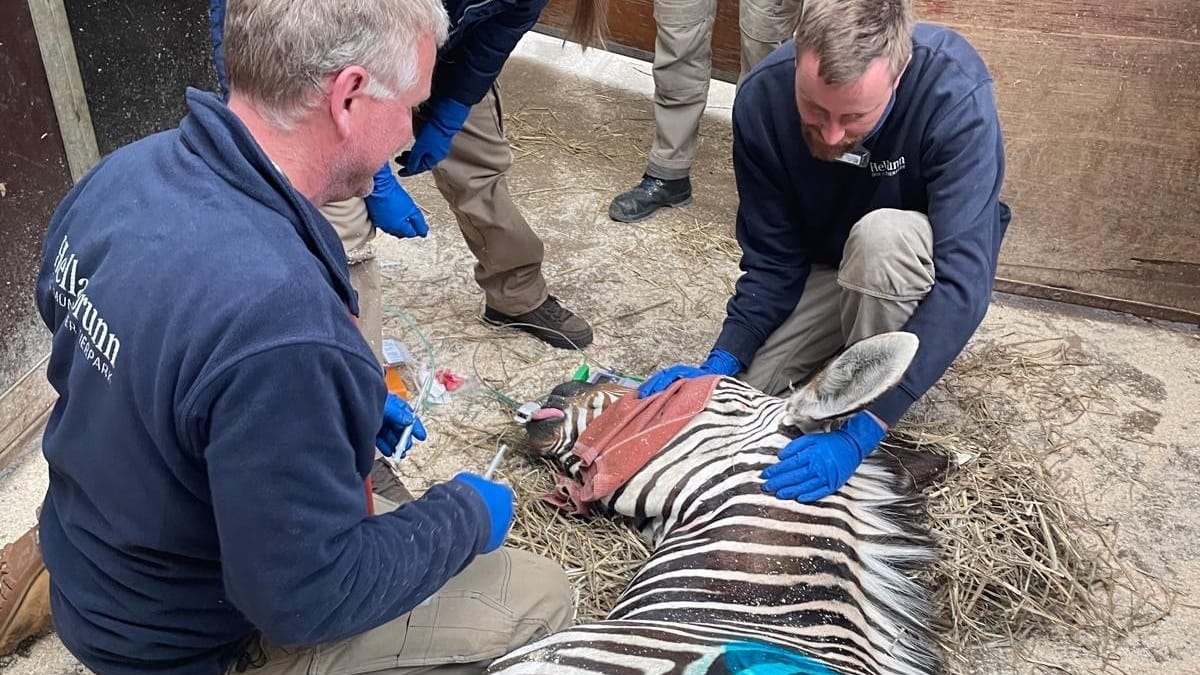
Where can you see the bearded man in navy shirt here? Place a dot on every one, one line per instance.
(869, 160)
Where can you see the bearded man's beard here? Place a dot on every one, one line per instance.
(828, 153)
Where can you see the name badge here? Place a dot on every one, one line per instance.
(859, 157)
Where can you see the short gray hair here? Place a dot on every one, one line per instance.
(848, 35)
(279, 52)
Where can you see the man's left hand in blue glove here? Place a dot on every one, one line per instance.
(719, 362)
(391, 209)
(816, 465)
(398, 415)
(444, 119)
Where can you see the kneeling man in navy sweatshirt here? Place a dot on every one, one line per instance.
(869, 159)
(218, 411)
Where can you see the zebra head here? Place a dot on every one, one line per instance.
(551, 432)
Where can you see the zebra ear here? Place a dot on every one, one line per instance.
(856, 377)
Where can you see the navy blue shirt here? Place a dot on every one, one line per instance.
(938, 150)
(216, 416)
(483, 33)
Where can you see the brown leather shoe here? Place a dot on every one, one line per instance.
(24, 592)
(549, 322)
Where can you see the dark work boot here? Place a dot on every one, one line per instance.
(549, 322)
(24, 592)
(649, 196)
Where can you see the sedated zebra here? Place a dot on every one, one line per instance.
(740, 581)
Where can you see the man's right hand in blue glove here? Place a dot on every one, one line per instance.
(498, 498)
(816, 465)
(719, 362)
(397, 416)
(392, 210)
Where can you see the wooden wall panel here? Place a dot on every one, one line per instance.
(1103, 145)
(1164, 19)
(33, 178)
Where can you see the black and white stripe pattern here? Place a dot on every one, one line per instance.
(820, 586)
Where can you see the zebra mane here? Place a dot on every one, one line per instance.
(895, 549)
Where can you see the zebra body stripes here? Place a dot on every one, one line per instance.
(740, 581)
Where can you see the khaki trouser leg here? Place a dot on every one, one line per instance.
(764, 24)
(886, 269)
(472, 179)
(501, 601)
(349, 219)
(682, 71)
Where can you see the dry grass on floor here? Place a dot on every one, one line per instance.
(1018, 553)
(599, 554)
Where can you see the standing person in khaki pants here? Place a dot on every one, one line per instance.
(460, 139)
(682, 72)
(208, 506)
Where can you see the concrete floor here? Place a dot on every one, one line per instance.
(655, 291)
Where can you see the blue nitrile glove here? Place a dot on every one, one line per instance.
(816, 465)
(397, 415)
(498, 498)
(392, 210)
(444, 119)
(719, 362)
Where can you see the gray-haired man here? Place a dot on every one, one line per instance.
(209, 506)
(460, 140)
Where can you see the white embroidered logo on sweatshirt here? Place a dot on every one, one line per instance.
(97, 342)
(887, 167)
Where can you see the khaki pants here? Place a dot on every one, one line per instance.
(683, 68)
(501, 601)
(473, 181)
(886, 269)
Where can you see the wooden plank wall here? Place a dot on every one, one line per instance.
(1100, 104)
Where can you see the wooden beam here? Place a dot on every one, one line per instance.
(1144, 309)
(66, 86)
(23, 410)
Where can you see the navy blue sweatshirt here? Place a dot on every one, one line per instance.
(216, 418)
(938, 150)
(483, 33)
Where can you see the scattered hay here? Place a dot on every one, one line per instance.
(599, 554)
(704, 238)
(533, 131)
(1018, 554)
